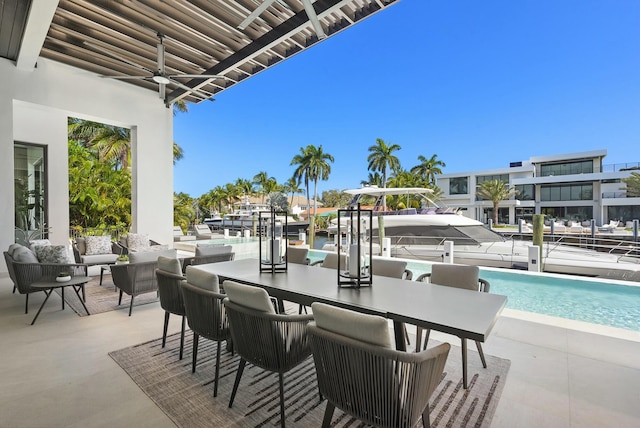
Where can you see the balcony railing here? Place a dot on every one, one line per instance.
(615, 167)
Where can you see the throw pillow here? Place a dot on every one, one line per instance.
(249, 296)
(138, 242)
(97, 245)
(203, 279)
(52, 254)
(22, 254)
(35, 242)
(371, 329)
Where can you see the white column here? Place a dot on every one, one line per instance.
(534, 258)
(448, 252)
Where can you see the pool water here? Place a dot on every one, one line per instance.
(604, 303)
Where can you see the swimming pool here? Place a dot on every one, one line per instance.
(606, 303)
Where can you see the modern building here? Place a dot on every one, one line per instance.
(573, 186)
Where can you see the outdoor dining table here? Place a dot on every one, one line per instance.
(463, 313)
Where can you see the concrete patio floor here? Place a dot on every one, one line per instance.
(57, 373)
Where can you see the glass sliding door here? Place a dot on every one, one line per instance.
(30, 191)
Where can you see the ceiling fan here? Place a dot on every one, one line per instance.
(159, 75)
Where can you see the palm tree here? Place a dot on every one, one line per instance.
(374, 179)
(262, 180)
(380, 157)
(495, 191)
(301, 172)
(428, 168)
(245, 187)
(319, 169)
(291, 186)
(632, 185)
(112, 142)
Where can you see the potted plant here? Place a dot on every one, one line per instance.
(63, 277)
(122, 259)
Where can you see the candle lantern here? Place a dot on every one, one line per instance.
(272, 242)
(358, 246)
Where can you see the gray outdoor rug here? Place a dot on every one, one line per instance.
(103, 298)
(188, 399)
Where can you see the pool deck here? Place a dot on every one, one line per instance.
(57, 373)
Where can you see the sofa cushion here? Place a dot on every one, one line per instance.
(371, 329)
(169, 264)
(249, 296)
(151, 256)
(203, 279)
(82, 245)
(99, 259)
(22, 254)
(97, 245)
(52, 254)
(138, 241)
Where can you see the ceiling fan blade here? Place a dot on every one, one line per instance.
(311, 13)
(200, 94)
(253, 15)
(126, 77)
(198, 76)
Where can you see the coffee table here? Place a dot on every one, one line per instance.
(76, 283)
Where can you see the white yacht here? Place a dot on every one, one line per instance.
(421, 234)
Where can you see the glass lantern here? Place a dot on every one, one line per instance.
(358, 246)
(272, 241)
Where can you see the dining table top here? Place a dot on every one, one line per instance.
(467, 314)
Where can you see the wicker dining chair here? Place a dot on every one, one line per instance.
(169, 277)
(458, 276)
(361, 376)
(206, 317)
(271, 341)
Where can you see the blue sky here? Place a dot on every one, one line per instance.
(479, 83)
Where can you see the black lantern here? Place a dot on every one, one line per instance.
(357, 273)
(272, 243)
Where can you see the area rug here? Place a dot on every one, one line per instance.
(104, 298)
(187, 399)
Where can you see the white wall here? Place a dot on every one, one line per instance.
(34, 106)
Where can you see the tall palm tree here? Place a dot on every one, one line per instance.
(428, 168)
(319, 169)
(380, 157)
(301, 173)
(495, 191)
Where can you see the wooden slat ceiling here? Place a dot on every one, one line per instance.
(120, 37)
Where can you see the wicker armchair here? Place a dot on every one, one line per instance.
(134, 279)
(459, 276)
(263, 338)
(207, 318)
(380, 386)
(25, 274)
(169, 277)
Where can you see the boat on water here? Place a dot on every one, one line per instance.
(245, 217)
(420, 233)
